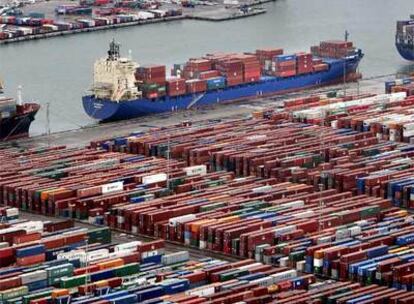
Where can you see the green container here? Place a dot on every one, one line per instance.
(369, 211)
(212, 207)
(149, 87)
(297, 256)
(72, 282)
(232, 275)
(55, 273)
(100, 235)
(36, 295)
(255, 205)
(126, 270)
(13, 293)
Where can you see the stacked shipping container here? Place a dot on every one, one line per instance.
(152, 80)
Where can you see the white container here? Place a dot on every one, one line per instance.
(12, 212)
(74, 254)
(196, 170)
(262, 189)
(31, 226)
(180, 219)
(156, 178)
(266, 281)
(95, 255)
(285, 275)
(130, 246)
(112, 187)
(202, 291)
(294, 204)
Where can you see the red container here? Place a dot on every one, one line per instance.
(27, 238)
(196, 86)
(209, 74)
(31, 260)
(176, 86)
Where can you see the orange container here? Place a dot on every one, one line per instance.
(103, 283)
(56, 293)
(111, 264)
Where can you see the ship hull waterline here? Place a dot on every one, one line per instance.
(406, 51)
(106, 110)
(17, 126)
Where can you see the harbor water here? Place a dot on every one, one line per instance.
(58, 71)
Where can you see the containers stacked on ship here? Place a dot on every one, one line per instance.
(284, 66)
(266, 56)
(176, 86)
(304, 63)
(232, 70)
(152, 80)
(241, 80)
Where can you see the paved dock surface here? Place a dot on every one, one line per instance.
(83, 136)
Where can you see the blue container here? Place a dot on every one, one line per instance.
(216, 83)
(115, 295)
(149, 293)
(377, 251)
(298, 283)
(51, 254)
(30, 251)
(75, 262)
(11, 270)
(153, 301)
(102, 275)
(76, 245)
(120, 141)
(308, 264)
(37, 285)
(284, 58)
(128, 299)
(405, 239)
(153, 259)
(251, 277)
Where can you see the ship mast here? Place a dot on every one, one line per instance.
(114, 51)
(19, 96)
(346, 39)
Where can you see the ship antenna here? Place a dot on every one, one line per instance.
(346, 35)
(113, 53)
(19, 96)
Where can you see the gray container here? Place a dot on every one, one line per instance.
(34, 276)
(175, 258)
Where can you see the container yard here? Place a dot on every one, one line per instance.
(304, 202)
(243, 174)
(57, 18)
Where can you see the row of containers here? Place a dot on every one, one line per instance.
(219, 70)
(15, 27)
(83, 266)
(270, 221)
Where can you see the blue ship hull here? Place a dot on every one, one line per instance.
(107, 110)
(406, 50)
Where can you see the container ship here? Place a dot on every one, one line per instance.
(404, 38)
(122, 89)
(15, 116)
